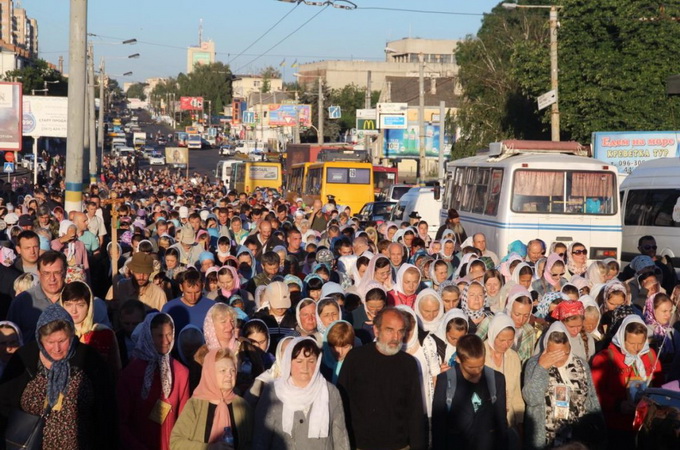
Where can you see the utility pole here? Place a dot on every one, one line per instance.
(92, 116)
(421, 118)
(320, 118)
(102, 81)
(76, 104)
(367, 105)
(442, 130)
(554, 83)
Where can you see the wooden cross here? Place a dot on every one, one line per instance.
(114, 201)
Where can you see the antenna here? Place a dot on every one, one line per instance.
(200, 32)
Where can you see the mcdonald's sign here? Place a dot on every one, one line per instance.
(366, 124)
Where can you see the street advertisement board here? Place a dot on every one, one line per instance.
(264, 172)
(405, 143)
(45, 116)
(392, 116)
(627, 149)
(176, 156)
(11, 122)
(191, 103)
(283, 115)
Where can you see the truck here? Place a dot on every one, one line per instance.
(138, 139)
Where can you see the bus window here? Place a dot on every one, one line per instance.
(651, 207)
(341, 175)
(480, 188)
(494, 192)
(313, 185)
(591, 193)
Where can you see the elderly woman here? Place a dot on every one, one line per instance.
(327, 312)
(472, 302)
(214, 413)
(561, 403)
(572, 314)
(59, 375)
(153, 388)
(429, 308)
(405, 286)
(305, 313)
(621, 372)
(300, 409)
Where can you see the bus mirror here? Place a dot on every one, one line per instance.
(437, 192)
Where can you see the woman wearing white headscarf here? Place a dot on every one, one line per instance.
(405, 287)
(622, 371)
(452, 327)
(153, 388)
(501, 357)
(300, 409)
(561, 403)
(425, 353)
(380, 270)
(429, 309)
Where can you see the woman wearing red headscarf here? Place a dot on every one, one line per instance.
(571, 314)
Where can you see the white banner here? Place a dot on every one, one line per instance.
(45, 116)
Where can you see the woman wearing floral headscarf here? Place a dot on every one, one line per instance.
(472, 302)
(153, 388)
(571, 314)
(561, 404)
(621, 372)
(577, 259)
(658, 312)
(56, 372)
(552, 279)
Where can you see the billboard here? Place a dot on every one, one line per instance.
(176, 156)
(191, 103)
(201, 58)
(264, 172)
(392, 116)
(45, 116)
(11, 122)
(405, 143)
(627, 149)
(283, 115)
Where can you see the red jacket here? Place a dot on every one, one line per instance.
(395, 298)
(610, 376)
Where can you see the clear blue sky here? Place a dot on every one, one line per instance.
(165, 28)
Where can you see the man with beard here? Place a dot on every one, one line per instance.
(453, 223)
(138, 286)
(381, 390)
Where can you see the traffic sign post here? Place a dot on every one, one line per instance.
(547, 99)
(8, 169)
(334, 112)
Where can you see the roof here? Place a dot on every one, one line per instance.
(407, 89)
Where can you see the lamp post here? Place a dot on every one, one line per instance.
(554, 70)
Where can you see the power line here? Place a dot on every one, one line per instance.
(282, 40)
(264, 34)
(418, 11)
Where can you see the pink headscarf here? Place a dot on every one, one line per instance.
(547, 273)
(237, 282)
(209, 390)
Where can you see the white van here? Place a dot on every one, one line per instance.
(422, 201)
(223, 171)
(650, 205)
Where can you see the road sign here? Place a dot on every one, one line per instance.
(8, 168)
(9, 156)
(547, 99)
(334, 112)
(393, 121)
(248, 116)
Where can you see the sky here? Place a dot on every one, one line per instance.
(165, 28)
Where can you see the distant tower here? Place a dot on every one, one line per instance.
(200, 32)
(61, 64)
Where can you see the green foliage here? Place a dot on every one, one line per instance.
(210, 81)
(270, 72)
(137, 91)
(33, 76)
(350, 98)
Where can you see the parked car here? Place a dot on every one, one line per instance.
(376, 211)
(657, 419)
(156, 159)
(257, 155)
(227, 150)
(148, 150)
(27, 162)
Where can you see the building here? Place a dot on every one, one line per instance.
(401, 60)
(202, 54)
(244, 85)
(18, 37)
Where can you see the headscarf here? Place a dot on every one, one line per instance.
(399, 283)
(236, 283)
(146, 351)
(507, 262)
(593, 274)
(412, 342)
(328, 358)
(614, 286)
(347, 264)
(208, 389)
(58, 375)
(298, 307)
(88, 323)
(465, 262)
(515, 292)
(547, 273)
(499, 323)
(430, 250)
(319, 324)
(515, 273)
(620, 339)
(15, 327)
(567, 309)
(186, 359)
(441, 331)
(473, 315)
(650, 318)
(517, 247)
(369, 274)
(571, 264)
(433, 325)
(579, 282)
(64, 225)
(543, 307)
(241, 250)
(442, 254)
(588, 301)
(274, 371)
(269, 337)
(293, 398)
(209, 332)
(449, 271)
(292, 279)
(554, 328)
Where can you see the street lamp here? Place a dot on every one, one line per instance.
(319, 131)
(554, 82)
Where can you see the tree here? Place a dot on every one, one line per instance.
(210, 81)
(34, 75)
(350, 98)
(137, 91)
(331, 129)
(270, 72)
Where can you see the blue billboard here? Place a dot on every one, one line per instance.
(405, 143)
(627, 149)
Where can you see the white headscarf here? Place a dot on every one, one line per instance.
(294, 398)
(399, 283)
(587, 301)
(554, 328)
(620, 339)
(320, 327)
(64, 225)
(499, 323)
(432, 325)
(515, 273)
(369, 274)
(443, 255)
(298, 307)
(441, 331)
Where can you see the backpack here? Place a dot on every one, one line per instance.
(451, 380)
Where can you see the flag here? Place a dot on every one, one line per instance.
(295, 64)
(283, 63)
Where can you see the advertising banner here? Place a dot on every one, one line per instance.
(11, 122)
(191, 103)
(627, 149)
(176, 156)
(264, 172)
(405, 143)
(282, 115)
(45, 116)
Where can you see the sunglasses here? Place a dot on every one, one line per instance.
(580, 252)
(649, 247)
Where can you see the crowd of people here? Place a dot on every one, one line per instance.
(177, 314)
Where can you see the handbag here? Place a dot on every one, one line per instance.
(24, 431)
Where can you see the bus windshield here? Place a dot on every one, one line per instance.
(564, 192)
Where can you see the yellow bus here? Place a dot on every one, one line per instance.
(295, 180)
(247, 176)
(351, 183)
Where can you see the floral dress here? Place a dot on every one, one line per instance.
(558, 429)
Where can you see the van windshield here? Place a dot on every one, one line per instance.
(564, 192)
(399, 191)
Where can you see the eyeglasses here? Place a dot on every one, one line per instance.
(557, 275)
(580, 252)
(649, 247)
(56, 274)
